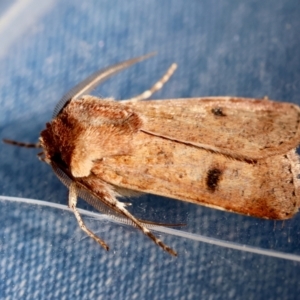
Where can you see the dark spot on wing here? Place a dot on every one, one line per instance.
(213, 178)
(218, 111)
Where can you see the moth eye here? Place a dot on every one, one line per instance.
(59, 161)
(218, 111)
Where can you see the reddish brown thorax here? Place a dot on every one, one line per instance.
(89, 129)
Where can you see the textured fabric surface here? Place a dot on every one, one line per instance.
(232, 47)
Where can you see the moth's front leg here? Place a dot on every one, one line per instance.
(72, 205)
(156, 87)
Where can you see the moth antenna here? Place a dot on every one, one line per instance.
(72, 205)
(21, 144)
(88, 84)
(156, 87)
(151, 224)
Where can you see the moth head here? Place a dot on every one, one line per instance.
(87, 130)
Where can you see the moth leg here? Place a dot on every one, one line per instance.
(156, 87)
(144, 229)
(72, 205)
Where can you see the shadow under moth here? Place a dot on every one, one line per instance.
(235, 154)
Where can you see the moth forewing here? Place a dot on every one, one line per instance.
(268, 188)
(242, 128)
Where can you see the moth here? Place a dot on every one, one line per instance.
(229, 153)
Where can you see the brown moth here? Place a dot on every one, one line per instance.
(235, 154)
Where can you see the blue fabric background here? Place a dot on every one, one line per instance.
(223, 47)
